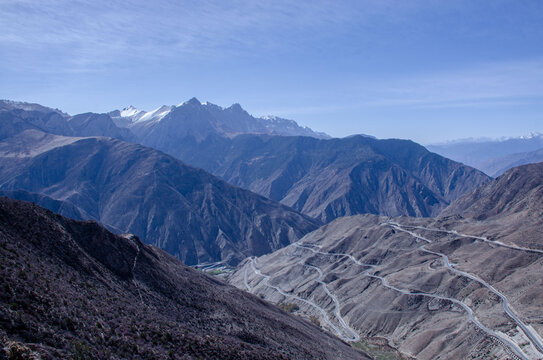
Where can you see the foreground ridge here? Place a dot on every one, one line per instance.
(74, 289)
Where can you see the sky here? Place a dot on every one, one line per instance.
(427, 70)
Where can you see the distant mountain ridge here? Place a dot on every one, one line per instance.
(493, 156)
(200, 119)
(500, 165)
(130, 124)
(19, 116)
(326, 179)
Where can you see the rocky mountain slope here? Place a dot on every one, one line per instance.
(518, 191)
(183, 210)
(454, 287)
(491, 156)
(73, 290)
(509, 208)
(327, 179)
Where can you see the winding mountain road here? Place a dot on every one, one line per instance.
(507, 308)
(513, 346)
(481, 238)
(349, 334)
(354, 336)
(323, 312)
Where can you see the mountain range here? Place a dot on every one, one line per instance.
(165, 125)
(74, 290)
(494, 157)
(382, 243)
(330, 178)
(131, 188)
(322, 178)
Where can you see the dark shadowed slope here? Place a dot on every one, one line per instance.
(327, 179)
(183, 210)
(64, 208)
(74, 290)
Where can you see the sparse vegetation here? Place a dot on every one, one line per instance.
(377, 352)
(73, 307)
(216, 272)
(81, 351)
(289, 307)
(315, 320)
(17, 351)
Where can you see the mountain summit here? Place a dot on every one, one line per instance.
(200, 119)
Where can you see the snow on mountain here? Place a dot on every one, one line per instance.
(227, 121)
(155, 115)
(281, 126)
(129, 111)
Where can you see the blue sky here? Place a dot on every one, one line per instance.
(425, 70)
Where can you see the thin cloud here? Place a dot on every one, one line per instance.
(83, 34)
(505, 83)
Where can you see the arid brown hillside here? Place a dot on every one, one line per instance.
(518, 190)
(466, 285)
(509, 208)
(73, 289)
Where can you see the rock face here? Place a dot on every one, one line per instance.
(72, 289)
(414, 281)
(181, 209)
(327, 179)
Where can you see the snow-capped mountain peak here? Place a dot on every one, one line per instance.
(130, 111)
(155, 115)
(225, 120)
